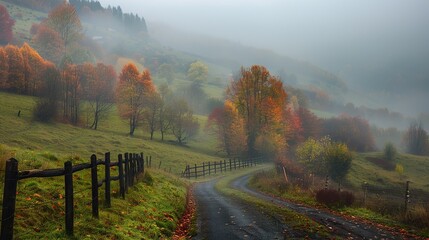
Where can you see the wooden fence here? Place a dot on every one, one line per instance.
(210, 168)
(129, 168)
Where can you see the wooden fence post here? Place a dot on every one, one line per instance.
(235, 164)
(94, 185)
(215, 163)
(407, 195)
(230, 166)
(209, 169)
(9, 198)
(195, 170)
(107, 179)
(127, 172)
(142, 161)
(150, 161)
(121, 176)
(204, 169)
(131, 170)
(68, 179)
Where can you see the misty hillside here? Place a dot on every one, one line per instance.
(233, 55)
(371, 87)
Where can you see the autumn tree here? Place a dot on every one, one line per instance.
(100, 92)
(184, 125)
(353, 131)
(261, 101)
(228, 127)
(72, 92)
(49, 43)
(4, 69)
(15, 81)
(151, 102)
(6, 26)
(311, 125)
(131, 94)
(46, 108)
(65, 21)
(33, 65)
(164, 114)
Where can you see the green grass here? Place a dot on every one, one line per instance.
(28, 139)
(415, 170)
(148, 212)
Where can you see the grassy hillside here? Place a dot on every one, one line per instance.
(149, 211)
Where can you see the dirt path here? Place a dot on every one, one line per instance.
(340, 226)
(222, 217)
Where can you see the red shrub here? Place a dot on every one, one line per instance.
(334, 198)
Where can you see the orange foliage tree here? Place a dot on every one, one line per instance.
(131, 93)
(33, 65)
(261, 101)
(4, 69)
(15, 81)
(65, 21)
(99, 92)
(228, 126)
(49, 43)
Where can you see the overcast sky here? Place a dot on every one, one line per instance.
(304, 29)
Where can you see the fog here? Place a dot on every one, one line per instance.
(380, 48)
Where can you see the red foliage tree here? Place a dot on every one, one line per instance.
(311, 125)
(6, 25)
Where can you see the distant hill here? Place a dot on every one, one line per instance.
(233, 55)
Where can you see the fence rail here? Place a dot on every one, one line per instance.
(130, 165)
(209, 168)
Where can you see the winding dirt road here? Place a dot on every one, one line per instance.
(223, 217)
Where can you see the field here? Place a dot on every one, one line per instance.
(44, 146)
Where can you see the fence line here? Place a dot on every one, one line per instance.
(129, 167)
(209, 168)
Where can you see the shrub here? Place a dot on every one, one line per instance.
(45, 111)
(334, 198)
(390, 151)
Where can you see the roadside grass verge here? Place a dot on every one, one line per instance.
(150, 209)
(294, 220)
(270, 182)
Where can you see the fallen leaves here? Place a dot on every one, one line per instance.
(185, 222)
